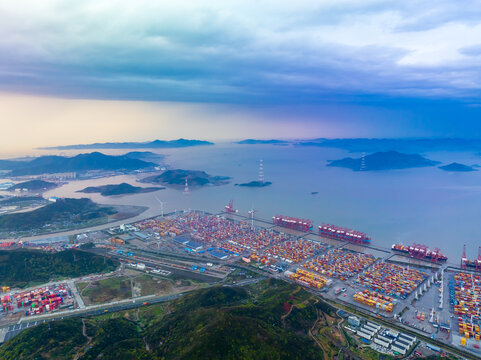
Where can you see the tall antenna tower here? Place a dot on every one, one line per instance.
(464, 259)
(186, 194)
(261, 171)
(162, 203)
(363, 162)
(252, 213)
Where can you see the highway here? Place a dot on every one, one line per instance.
(11, 331)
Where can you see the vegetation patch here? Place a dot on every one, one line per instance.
(60, 214)
(21, 268)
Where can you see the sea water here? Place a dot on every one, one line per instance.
(423, 205)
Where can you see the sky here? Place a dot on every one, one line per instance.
(279, 68)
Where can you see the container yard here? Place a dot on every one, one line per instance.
(340, 264)
(295, 251)
(465, 294)
(38, 301)
(392, 280)
(374, 299)
(344, 234)
(233, 238)
(164, 227)
(7, 244)
(310, 279)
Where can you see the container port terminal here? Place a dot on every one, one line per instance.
(408, 288)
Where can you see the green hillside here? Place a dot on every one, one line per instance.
(270, 320)
(72, 211)
(19, 268)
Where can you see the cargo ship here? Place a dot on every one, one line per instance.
(292, 223)
(473, 264)
(344, 234)
(419, 251)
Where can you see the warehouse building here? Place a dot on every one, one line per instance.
(181, 240)
(385, 339)
(398, 349)
(408, 338)
(354, 321)
(371, 328)
(141, 236)
(378, 341)
(377, 327)
(364, 335)
(194, 246)
(403, 343)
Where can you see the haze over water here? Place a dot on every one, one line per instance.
(421, 205)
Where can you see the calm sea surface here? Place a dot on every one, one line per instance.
(425, 205)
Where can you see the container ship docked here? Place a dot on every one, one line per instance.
(292, 223)
(344, 234)
(420, 252)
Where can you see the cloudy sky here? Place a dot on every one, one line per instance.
(335, 68)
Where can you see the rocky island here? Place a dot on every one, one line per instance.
(33, 186)
(195, 178)
(119, 189)
(255, 184)
(388, 160)
(457, 167)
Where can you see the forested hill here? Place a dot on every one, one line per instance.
(270, 320)
(73, 211)
(19, 268)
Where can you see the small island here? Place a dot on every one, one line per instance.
(457, 167)
(388, 160)
(33, 186)
(119, 189)
(195, 178)
(146, 156)
(255, 184)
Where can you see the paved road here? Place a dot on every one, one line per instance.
(11, 331)
(76, 294)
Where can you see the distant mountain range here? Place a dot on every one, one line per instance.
(156, 144)
(83, 162)
(400, 144)
(388, 160)
(413, 145)
(266, 142)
